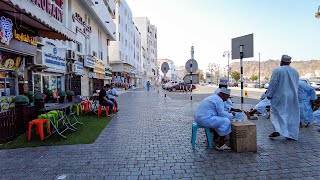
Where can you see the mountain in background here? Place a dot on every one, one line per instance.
(266, 67)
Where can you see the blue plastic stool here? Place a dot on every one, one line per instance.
(195, 127)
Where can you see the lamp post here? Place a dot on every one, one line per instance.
(259, 72)
(227, 53)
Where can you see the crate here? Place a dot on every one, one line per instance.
(243, 137)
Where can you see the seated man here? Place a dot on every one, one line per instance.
(228, 105)
(103, 99)
(211, 114)
(261, 107)
(306, 95)
(112, 94)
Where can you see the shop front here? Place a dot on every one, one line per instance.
(77, 69)
(100, 74)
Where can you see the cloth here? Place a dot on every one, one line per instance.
(112, 91)
(316, 116)
(261, 106)
(263, 96)
(223, 81)
(225, 91)
(306, 93)
(239, 116)
(102, 94)
(211, 113)
(283, 90)
(285, 58)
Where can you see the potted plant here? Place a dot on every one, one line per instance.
(49, 95)
(21, 99)
(69, 94)
(39, 100)
(62, 95)
(30, 96)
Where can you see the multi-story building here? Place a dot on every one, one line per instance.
(181, 72)
(149, 43)
(125, 52)
(212, 72)
(171, 74)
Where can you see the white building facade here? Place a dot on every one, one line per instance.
(125, 52)
(150, 48)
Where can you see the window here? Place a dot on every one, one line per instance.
(119, 37)
(79, 47)
(94, 53)
(119, 19)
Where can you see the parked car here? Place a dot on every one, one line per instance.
(181, 86)
(316, 85)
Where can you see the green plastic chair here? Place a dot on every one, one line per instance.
(56, 113)
(51, 116)
(78, 108)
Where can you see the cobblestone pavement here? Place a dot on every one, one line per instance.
(150, 139)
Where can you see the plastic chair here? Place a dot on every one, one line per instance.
(47, 116)
(100, 109)
(85, 106)
(78, 108)
(39, 127)
(195, 127)
(56, 113)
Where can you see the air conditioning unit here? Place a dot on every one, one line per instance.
(71, 54)
(39, 59)
(71, 67)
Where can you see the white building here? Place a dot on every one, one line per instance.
(171, 74)
(125, 52)
(149, 43)
(83, 64)
(181, 72)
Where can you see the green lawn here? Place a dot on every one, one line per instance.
(85, 134)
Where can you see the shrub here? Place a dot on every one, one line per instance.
(30, 93)
(62, 93)
(39, 96)
(48, 92)
(21, 99)
(70, 93)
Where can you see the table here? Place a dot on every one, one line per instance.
(64, 119)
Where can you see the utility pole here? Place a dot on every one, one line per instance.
(259, 72)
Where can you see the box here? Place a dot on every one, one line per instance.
(243, 136)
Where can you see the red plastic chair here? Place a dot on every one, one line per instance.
(100, 109)
(39, 127)
(86, 106)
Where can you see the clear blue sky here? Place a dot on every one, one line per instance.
(279, 27)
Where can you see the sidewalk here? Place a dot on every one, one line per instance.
(150, 139)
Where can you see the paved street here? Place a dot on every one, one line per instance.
(150, 139)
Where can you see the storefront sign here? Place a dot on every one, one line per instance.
(79, 68)
(54, 59)
(5, 30)
(6, 103)
(10, 61)
(99, 66)
(84, 29)
(25, 38)
(89, 61)
(52, 7)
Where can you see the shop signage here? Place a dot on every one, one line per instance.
(88, 61)
(54, 59)
(84, 29)
(5, 30)
(99, 66)
(51, 7)
(79, 68)
(10, 61)
(6, 103)
(25, 38)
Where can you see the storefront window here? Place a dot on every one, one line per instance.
(7, 84)
(47, 82)
(37, 83)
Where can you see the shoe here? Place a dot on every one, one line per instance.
(117, 110)
(223, 148)
(253, 118)
(274, 134)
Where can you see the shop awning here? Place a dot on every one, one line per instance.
(32, 15)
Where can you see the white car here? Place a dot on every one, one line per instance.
(315, 85)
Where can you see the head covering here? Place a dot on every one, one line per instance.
(225, 91)
(286, 58)
(223, 81)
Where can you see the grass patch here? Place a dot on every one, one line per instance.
(85, 134)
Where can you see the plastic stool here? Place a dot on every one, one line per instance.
(39, 127)
(78, 108)
(47, 116)
(56, 113)
(195, 127)
(100, 108)
(85, 106)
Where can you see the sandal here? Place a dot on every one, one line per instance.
(274, 134)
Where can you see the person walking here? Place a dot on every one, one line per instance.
(148, 85)
(283, 95)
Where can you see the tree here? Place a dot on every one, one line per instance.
(235, 75)
(254, 78)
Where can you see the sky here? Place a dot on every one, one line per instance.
(279, 27)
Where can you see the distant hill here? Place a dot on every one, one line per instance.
(266, 67)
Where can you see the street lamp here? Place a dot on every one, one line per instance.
(317, 15)
(227, 53)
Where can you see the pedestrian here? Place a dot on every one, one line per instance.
(112, 94)
(148, 85)
(283, 95)
(307, 96)
(104, 100)
(210, 113)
